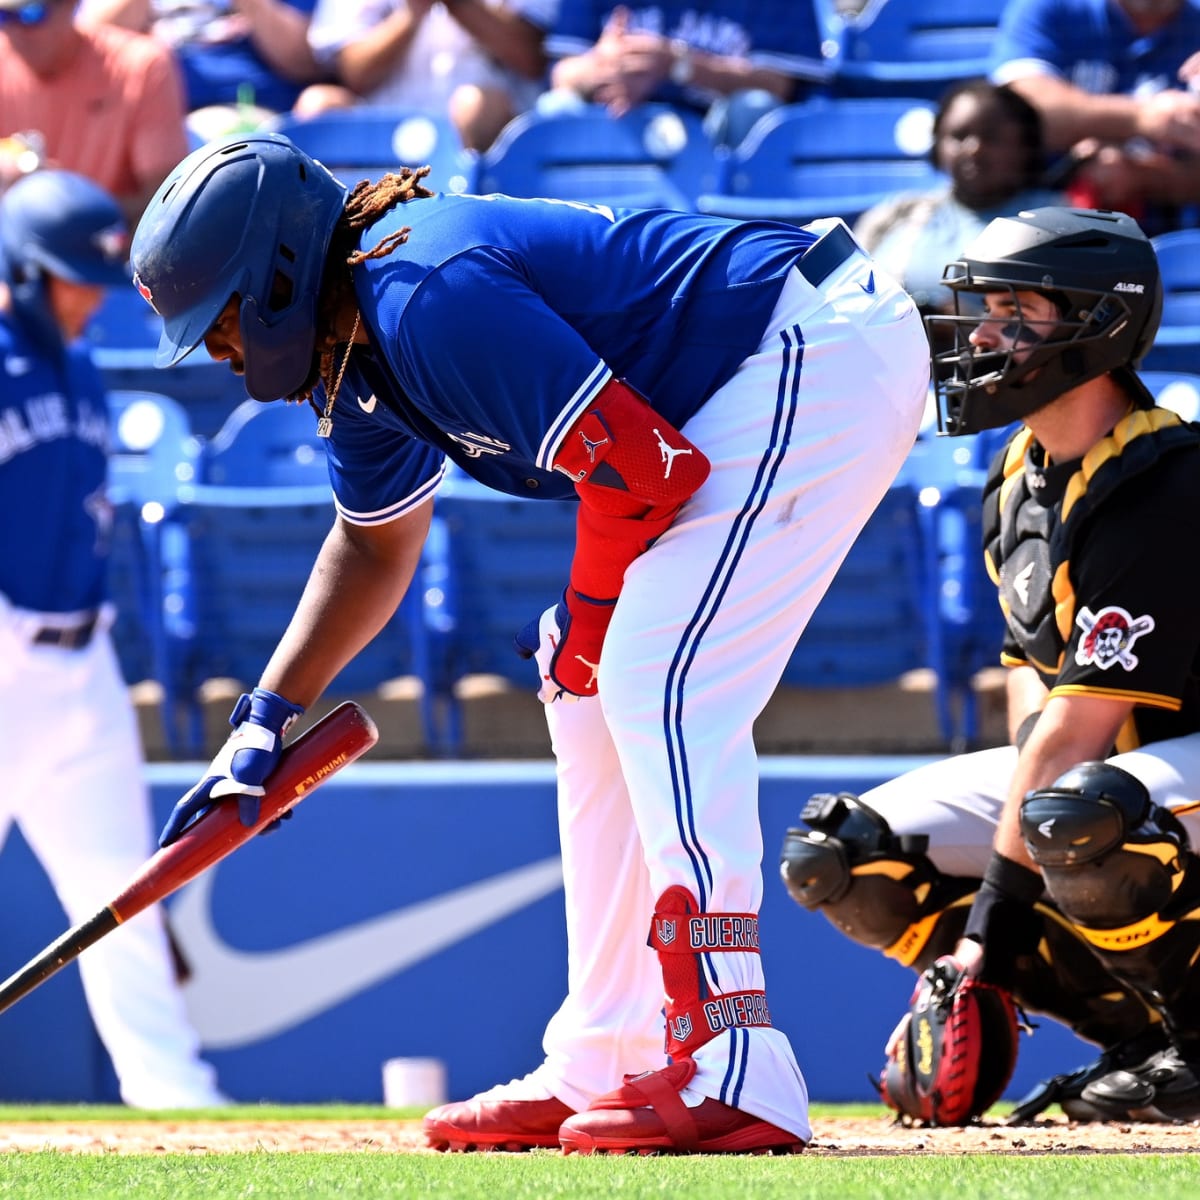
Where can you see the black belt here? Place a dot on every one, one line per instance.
(826, 254)
(68, 637)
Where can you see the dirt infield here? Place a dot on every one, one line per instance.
(832, 1138)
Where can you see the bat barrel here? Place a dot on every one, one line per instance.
(335, 741)
(55, 956)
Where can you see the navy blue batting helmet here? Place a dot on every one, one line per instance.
(59, 223)
(250, 215)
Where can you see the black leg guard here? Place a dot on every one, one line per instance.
(1119, 868)
(881, 890)
(877, 888)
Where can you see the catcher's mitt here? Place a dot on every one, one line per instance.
(954, 1051)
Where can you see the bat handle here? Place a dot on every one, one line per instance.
(56, 956)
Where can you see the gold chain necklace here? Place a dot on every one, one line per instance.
(325, 424)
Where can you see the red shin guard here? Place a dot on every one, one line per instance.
(680, 933)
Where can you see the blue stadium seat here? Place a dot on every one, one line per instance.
(948, 475)
(274, 445)
(252, 527)
(123, 336)
(493, 563)
(878, 620)
(154, 451)
(827, 157)
(1176, 390)
(153, 455)
(250, 551)
(1177, 346)
(653, 157)
(967, 610)
(914, 47)
(123, 328)
(367, 141)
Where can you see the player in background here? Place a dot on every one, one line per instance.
(73, 780)
(726, 402)
(1060, 866)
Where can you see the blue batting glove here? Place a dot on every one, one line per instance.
(241, 766)
(527, 640)
(540, 640)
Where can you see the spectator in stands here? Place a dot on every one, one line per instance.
(73, 778)
(732, 60)
(480, 62)
(243, 61)
(104, 102)
(1106, 77)
(988, 141)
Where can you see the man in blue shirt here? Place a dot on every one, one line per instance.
(73, 777)
(732, 60)
(1105, 77)
(726, 402)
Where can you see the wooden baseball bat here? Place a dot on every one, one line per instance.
(332, 743)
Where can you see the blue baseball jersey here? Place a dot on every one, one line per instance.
(53, 462)
(1092, 44)
(496, 324)
(215, 69)
(781, 35)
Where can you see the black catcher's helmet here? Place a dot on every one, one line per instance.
(1101, 270)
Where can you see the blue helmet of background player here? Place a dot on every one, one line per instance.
(1101, 271)
(250, 215)
(58, 223)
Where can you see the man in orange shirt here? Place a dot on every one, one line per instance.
(106, 102)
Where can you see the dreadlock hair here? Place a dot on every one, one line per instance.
(367, 203)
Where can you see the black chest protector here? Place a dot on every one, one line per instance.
(1032, 517)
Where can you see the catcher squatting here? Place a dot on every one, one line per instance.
(1057, 871)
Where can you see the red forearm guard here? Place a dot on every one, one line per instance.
(633, 471)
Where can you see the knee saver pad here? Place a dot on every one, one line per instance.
(870, 883)
(1109, 855)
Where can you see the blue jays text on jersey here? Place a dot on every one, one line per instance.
(497, 322)
(53, 461)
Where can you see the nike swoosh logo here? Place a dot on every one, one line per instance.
(368, 406)
(235, 997)
(869, 286)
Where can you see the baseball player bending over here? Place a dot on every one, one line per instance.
(1060, 867)
(72, 777)
(725, 402)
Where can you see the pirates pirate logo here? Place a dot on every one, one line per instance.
(1108, 637)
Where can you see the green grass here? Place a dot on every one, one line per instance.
(371, 1175)
(545, 1176)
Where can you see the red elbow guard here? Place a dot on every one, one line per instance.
(622, 446)
(633, 471)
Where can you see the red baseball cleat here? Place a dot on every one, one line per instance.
(648, 1116)
(491, 1121)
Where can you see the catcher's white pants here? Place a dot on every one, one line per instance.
(958, 800)
(658, 776)
(73, 784)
